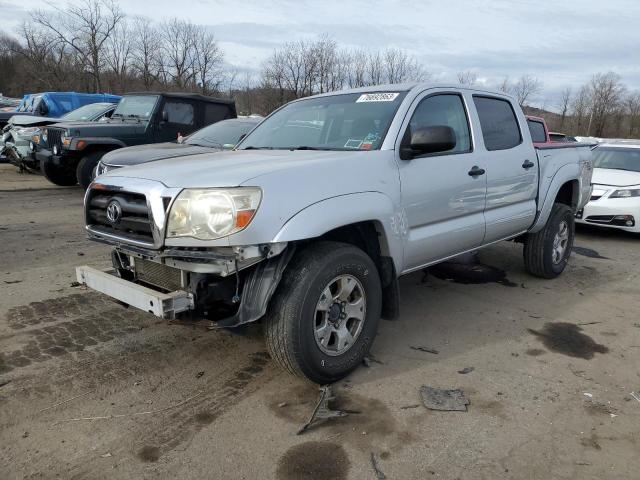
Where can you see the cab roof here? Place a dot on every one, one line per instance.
(185, 95)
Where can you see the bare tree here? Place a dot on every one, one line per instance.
(118, 55)
(208, 58)
(505, 86)
(606, 92)
(145, 59)
(84, 27)
(178, 37)
(632, 109)
(565, 102)
(467, 77)
(525, 88)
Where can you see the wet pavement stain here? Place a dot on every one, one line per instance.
(314, 461)
(535, 352)
(469, 273)
(566, 338)
(587, 252)
(204, 418)
(149, 454)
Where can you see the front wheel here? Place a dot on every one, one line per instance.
(58, 174)
(324, 316)
(86, 171)
(547, 252)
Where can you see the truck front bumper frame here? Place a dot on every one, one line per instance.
(163, 305)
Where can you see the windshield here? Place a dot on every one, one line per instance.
(354, 121)
(224, 134)
(88, 112)
(136, 106)
(617, 158)
(30, 104)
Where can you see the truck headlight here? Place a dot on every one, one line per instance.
(212, 213)
(27, 132)
(625, 193)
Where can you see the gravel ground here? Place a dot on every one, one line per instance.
(89, 389)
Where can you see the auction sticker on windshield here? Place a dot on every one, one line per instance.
(377, 97)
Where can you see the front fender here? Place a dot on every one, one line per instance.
(90, 142)
(326, 215)
(566, 173)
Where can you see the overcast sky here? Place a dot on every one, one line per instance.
(563, 42)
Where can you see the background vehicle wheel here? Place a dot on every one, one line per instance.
(57, 174)
(86, 170)
(324, 316)
(547, 252)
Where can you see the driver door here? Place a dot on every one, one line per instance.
(443, 203)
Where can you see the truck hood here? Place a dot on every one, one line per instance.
(128, 156)
(231, 169)
(103, 129)
(31, 121)
(615, 178)
(4, 116)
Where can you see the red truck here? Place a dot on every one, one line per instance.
(539, 131)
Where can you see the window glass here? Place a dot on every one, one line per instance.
(537, 131)
(220, 134)
(88, 112)
(136, 106)
(215, 112)
(447, 110)
(499, 124)
(179, 112)
(617, 158)
(350, 122)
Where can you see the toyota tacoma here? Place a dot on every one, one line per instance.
(309, 222)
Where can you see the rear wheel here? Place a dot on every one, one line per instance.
(58, 174)
(324, 316)
(86, 170)
(546, 253)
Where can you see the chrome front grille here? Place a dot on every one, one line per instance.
(132, 221)
(158, 274)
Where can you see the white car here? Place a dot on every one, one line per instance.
(615, 200)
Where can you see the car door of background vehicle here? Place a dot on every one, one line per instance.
(442, 202)
(512, 168)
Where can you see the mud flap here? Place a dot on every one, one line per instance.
(390, 289)
(258, 289)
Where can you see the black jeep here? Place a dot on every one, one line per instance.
(69, 152)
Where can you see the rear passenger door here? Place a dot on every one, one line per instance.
(511, 168)
(442, 201)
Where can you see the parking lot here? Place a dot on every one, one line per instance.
(89, 389)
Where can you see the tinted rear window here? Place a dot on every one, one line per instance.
(537, 131)
(499, 124)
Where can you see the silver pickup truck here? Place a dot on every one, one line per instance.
(309, 222)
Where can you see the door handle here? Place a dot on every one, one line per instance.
(476, 171)
(528, 164)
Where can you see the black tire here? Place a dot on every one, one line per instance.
(290, 319)
(86, 170)
(539, 246)
(58, 174)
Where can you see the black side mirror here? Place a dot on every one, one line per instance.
(43, 109)
(165, 116)
(437, 138)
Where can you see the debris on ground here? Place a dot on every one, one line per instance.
(106, 455)
(407, 407)
(441, 399)
(323, 410)
(75, 284)
(466, 370)
(11, 282)
(374, 463)
(635, 395)
(199, 374)
(81, 254)
(425, 349)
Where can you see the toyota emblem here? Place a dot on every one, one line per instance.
(114, 212)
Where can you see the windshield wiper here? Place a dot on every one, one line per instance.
(305, 147)
(251, 147)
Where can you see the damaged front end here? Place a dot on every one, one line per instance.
(231, 285)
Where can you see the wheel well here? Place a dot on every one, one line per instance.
(568, 194)
(99, 148)
(369, 237)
